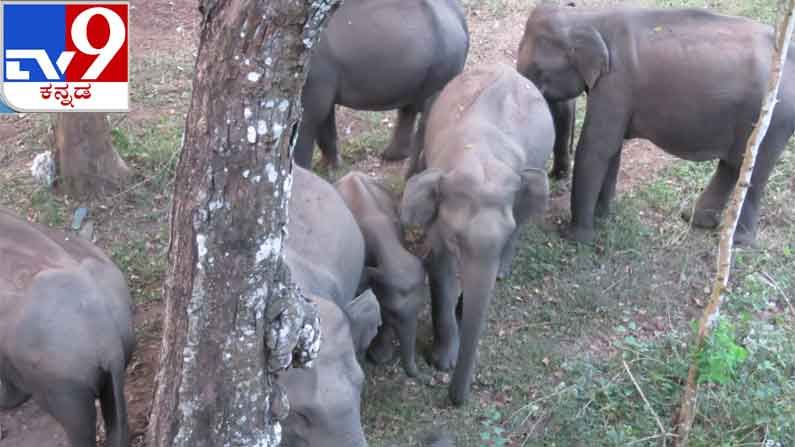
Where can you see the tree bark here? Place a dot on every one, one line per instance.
(86, 165)
(232, 315)
(683, 420)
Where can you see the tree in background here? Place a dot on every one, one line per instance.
(86, 165)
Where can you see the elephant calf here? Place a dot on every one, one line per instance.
(688, 80)
(396, 276)
(325, 253)
(66, 330)
(380, 55)
(488, 137)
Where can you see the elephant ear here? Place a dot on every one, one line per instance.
(589, 53)
(421, 198)
(535, 182)
(365, 316)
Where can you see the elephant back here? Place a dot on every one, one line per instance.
(27, 248)
(325, 248)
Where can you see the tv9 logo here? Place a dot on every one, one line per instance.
(65, 56)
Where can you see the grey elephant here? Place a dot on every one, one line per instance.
(396, 276)
(688, 80)
(487, 140)
(325, 399)
(325, 253)
(66, 330)
(326, 248)
(380, 55)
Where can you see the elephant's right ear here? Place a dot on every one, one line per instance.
(365, 317)
(589, 53)
(421, 198)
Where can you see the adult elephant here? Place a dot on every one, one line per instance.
(488, 137)
(688, 80)
(380, 55)
(66, 330)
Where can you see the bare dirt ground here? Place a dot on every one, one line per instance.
(162, 27)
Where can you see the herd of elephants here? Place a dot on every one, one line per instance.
(688, 80)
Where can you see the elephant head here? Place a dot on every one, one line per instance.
(450, 206)
(325, 399)
(469, 222)
(562, 53)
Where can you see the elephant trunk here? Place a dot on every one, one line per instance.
(478, 276)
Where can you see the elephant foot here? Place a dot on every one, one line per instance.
(578, 234)
(381, 352)
(414, 372)
(744, 238)
(459, 395)
(11, 396)
(396, 152)
(708, 219)
(444, 357)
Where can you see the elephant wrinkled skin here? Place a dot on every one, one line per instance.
(488, 137)
(396, 276)
(66, 331)
(325, 252)
(368, 60)
(688, 80)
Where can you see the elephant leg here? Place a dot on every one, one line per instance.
(563, 116)
(712, 201)
(444, 297)
(74, 409)
(407, 332)
(769, 152)
(327, 139)
(317, 99)
(478, 278)
(11, 396)
(305, 145)
(401, 145)
(382, 349)
(608, 191)
(602, 137)
(506, 260)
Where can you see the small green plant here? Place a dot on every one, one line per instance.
(721, 356)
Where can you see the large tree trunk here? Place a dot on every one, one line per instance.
(232, 315)
(86, 165)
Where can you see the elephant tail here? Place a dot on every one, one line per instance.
(114, 406)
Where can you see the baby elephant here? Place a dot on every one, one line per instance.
(326, 262)
(396, 276)
(66, 330)
(489, 135)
